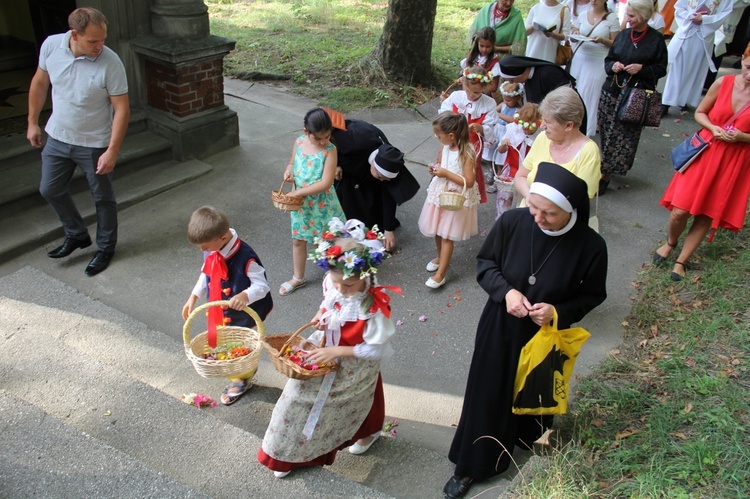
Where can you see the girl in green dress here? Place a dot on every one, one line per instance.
(312, 168)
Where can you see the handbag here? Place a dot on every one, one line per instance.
(543, 376)
(564, 51)
(638, 106)
(688, 150)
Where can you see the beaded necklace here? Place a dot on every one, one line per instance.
(636, 39)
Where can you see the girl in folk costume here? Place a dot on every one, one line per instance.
(482, 53)
(690, 50)
(480, 111)
(312, 168)
(456, 164)
(518, 139)
(315, 418)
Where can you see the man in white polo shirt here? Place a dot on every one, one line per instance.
(90, 112)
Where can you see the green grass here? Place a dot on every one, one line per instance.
(666, 414)
(315, 47)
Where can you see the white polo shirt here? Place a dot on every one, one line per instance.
(81, 88)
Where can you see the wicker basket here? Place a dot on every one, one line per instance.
(285, 202)
(452, 201)
(233, 368)
(278, 343)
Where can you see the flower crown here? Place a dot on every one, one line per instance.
(474, 76)
(506, 93)
(368, 251)
(530, 126)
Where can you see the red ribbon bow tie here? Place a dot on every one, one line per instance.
(381, 300)
(215, 267)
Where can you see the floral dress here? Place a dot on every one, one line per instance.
(355, 405)
(317, 209)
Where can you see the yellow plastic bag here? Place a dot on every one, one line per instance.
(544, 369)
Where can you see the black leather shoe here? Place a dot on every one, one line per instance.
(457, 486)
(99, 262)
(69, 246)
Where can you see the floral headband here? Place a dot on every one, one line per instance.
(506, 93)
(480, 78)
(364, 257)
(525, 124)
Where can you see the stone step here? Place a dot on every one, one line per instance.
(75, 365)
(20, 165)
(62, 461)
(146, 368)
(36, 225)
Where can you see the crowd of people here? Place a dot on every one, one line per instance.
(519, 118)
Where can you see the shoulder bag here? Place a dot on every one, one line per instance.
(592, 30)
(688, 150)
(638, 106)
(564, 51)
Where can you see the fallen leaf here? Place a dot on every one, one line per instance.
(643, 343)
(690, 362)
(614, 352)
(627, 432)
(625, 324)
(544, 439)
(654, 331)
(679, 435)
(107, 413)
(688, 407)
(598, 423)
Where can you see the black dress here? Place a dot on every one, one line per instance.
(619, 141)
(362, 196)
(573, 280)
(545, 79)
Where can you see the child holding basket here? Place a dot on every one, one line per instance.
(315, 418)
(312, 168)
(456, 164)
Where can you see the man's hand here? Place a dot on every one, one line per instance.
(34, 134)
(106, 163)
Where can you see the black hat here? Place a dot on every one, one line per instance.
(513, 66)
(563, 188)
(389, 161)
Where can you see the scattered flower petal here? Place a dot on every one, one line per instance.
(399, 323)
(422, 318)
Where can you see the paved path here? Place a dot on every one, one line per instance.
(155, 267)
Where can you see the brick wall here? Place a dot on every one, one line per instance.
(185, 90)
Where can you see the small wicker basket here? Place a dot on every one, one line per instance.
(452, 201)
(277, 344)
(283, 201)
(232, 368)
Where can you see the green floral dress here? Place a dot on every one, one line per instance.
(318, 209)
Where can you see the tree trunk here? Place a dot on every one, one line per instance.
(405, 47)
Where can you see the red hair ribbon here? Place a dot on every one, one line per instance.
(215, 267)
(381, 300)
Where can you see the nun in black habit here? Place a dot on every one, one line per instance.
(539, 78)
(535, 260)
(372, 177)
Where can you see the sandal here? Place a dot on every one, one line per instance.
(678, 277)
(658, 259)
(237, 389)
(291, 286)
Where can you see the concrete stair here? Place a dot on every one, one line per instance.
(144, 169)
(89, 400)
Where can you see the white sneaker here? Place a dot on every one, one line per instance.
(361, 449)
(281, 474)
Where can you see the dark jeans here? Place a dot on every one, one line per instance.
(59, 161)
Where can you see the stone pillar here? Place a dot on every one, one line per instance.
(183, 66)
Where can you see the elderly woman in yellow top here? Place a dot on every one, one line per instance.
(562, 142)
